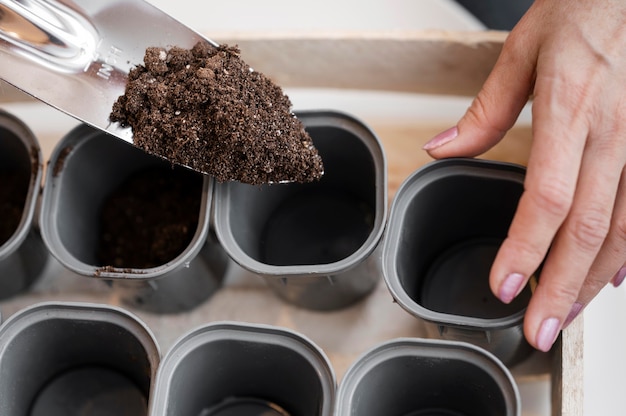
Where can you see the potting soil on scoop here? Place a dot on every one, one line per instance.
(207, 109)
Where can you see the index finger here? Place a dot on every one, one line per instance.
(559, 136)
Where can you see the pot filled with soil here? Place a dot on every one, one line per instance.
(60, 359)
(22, 253)
(314, 243)
(229, 368)
(446, 224)
(113, 212)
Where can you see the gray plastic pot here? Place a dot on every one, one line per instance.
(313, 243)
(85, 168)
(22, 253)
(59, 359)
(244, 369)
(415, 377)
(446, 224)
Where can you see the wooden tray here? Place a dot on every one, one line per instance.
(432, 62)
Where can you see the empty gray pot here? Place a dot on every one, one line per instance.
(313, 243)
(22, 253)
(86, 168)
(243, 369)
(413, 377)
(60, 359)
(446, 224)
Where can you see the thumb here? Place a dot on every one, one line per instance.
(495, 108)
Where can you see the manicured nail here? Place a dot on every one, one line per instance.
(618, 279)
(547, 334)
(573, 313)
(511, 287)
(442, 138)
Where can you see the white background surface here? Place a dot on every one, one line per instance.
(605, 336)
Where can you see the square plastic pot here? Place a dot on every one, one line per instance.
(446, 224)
(85, 168)
(313, 243)
(22, 253)
(415, 377)
(243, 369)
(59, 359)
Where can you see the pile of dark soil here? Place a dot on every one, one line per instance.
(207, 109)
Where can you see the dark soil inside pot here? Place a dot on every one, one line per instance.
(150, 218)
(207, 109)
(13, 192)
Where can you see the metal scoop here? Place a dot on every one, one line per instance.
(75, 55)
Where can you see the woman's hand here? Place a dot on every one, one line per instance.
(571, 56)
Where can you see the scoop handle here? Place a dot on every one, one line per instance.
(75, 55)
(53, 33)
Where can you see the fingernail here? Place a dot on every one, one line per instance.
(618, 279)
(547, 334)
(442, 138)
(511, 287)
(573, 313)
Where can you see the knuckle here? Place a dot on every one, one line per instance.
(593, 285)
(516, 46)
(562, 292)
(590, 230)
(578, 91)
(479, 111)
(553, 196)
(529, 251)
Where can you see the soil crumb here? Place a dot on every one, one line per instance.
(205, 108)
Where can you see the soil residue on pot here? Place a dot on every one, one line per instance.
(60, 163)
(13, 193)
(35, 164)
(149, 219)
(207, 109)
